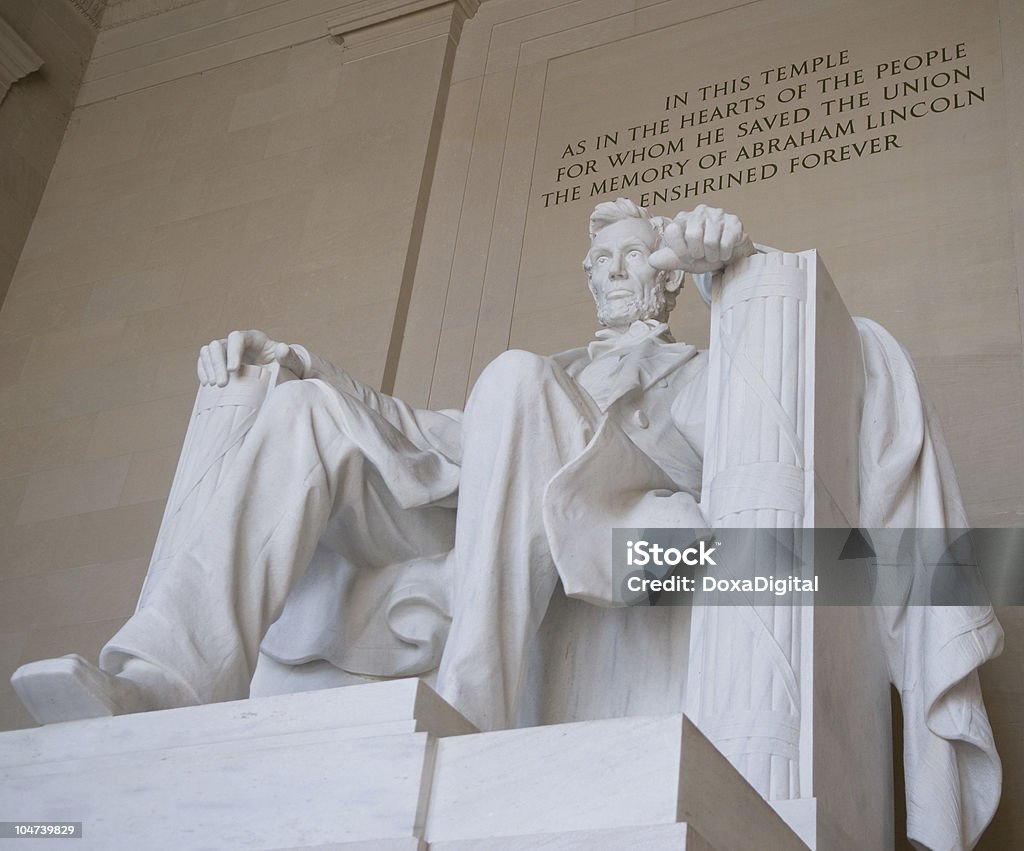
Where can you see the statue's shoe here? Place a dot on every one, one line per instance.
(71, 688)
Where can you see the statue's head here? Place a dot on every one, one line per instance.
(625, 286)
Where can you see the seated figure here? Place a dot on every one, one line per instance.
(328, 452)
(504, 495)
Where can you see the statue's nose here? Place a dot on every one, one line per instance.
(618, 268)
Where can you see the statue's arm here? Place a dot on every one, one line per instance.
(220, 358)
(403, 416)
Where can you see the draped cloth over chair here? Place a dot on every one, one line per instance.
(816, 420)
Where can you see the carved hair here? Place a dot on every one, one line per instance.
(609, 212)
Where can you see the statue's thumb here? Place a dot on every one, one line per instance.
(665, 259)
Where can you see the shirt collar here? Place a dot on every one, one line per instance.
(640, 331)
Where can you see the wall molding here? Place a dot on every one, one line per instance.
(91, 10)
(17, 59)
(121, 12)
(376, 26)
(209, 34)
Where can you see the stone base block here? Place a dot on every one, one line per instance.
(623, 773)
(335, 767)
(665, 837)
(381, 767)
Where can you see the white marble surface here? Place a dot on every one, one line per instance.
(374, 709)
(670, 837)
(409, 843)
(592, 776)
(302, 789)
(348, 766)
(303, 771)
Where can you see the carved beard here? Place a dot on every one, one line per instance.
(653, 305)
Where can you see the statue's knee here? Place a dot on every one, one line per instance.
(291, 401)
(513, 369)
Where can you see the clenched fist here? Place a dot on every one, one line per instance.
(704, 240)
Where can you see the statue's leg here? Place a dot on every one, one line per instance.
(195, 637)
(524, 420)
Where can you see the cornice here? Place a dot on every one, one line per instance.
(368, 13)
(375, 26)
(16, 58)
(208, 34)
(91, 10)
(117, 14)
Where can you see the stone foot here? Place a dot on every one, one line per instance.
(71, 688)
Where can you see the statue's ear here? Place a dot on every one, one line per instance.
(674, 282)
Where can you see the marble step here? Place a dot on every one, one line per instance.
(617, 774)
(392, 706)
(380, 767)
(662, 837)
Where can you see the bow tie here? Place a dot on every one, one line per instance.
(642, 330)
(618, 359)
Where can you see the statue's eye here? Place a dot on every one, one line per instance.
(635, 254)
(602, 259)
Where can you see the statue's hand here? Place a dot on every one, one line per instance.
(704, 240)
(220, 358)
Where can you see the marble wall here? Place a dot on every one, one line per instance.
(32, 120)
(230, 170)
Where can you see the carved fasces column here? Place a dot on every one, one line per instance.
(745, 659)
(779, 685)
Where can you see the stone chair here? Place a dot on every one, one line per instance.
(796, 696)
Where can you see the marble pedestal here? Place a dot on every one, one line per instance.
(380, 766)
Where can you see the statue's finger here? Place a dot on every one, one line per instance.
(732, 236)
(254, 347)
(235, 346)
(281, 351)
(673, 238)
(745, 246)
(666, 260)
(220, 363)
(206, 363)
(694, 236)
(713, 240)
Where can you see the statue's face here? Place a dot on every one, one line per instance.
(625, 286)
